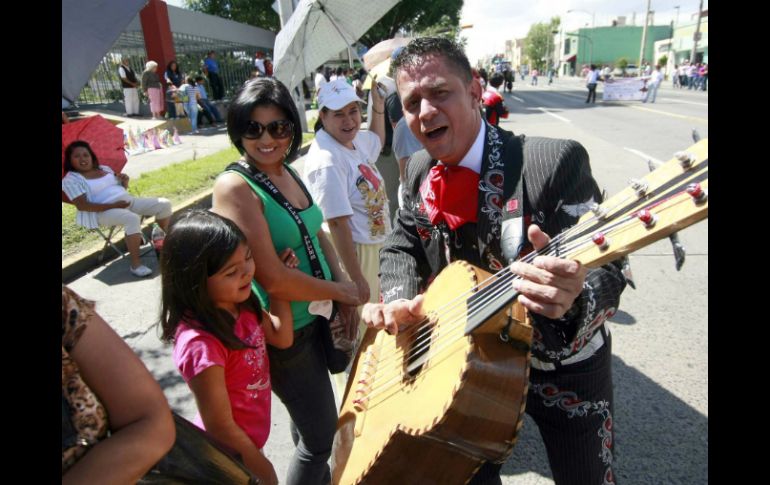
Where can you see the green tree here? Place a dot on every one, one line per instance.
(417, 17)
(258, 13)
(411, 16)
(539, 42)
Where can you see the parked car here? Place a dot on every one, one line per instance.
(631, 71)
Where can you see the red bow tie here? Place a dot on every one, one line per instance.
(450, 194)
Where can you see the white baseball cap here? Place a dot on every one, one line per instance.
(336, 95)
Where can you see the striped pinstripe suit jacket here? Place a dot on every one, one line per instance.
(558, 186)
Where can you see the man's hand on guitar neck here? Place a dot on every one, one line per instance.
(549, 285)
(389, 316)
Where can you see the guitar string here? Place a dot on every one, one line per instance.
(501, 279)
(447, 331)
(494, 292)
(420, 325)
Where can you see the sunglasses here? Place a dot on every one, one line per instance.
(278, 129)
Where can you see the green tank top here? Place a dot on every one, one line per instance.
(285, 234)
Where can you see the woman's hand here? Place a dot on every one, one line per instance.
(377, 100)
(363, 289)
(348, 293)
(123, 179)
(121, 204)
(289, 258)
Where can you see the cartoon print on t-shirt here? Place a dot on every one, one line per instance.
(375, 199)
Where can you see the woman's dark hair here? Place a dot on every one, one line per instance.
(262, 91)
(71, 148)
(198, 244)
(318, 123)
(168, 67)
(416, 51)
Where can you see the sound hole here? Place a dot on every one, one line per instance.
(418, 352)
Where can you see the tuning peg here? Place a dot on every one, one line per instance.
(697, 193)
(599, 211)
(647, 217)
(679, 251)
(601, 240)
(685, 158)
(653, 165)
(639, 186)
(695, 135)
(626, 270)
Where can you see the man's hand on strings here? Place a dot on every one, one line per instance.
(549, 285)
(397, 313)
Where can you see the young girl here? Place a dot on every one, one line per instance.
(219, 331)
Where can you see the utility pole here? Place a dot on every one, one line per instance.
(285, 9)
(644, 37)
(696, 37)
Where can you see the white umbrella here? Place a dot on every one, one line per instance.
(319, 30)
(382, 51)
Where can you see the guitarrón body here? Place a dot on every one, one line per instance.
(431, 404)
(435, 417)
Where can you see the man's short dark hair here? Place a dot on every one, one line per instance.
(417, 50)
(393, 107)
(496, 80)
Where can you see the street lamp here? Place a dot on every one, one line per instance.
(593, 16)
(593, 24)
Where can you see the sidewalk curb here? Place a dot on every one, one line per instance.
(80, 264)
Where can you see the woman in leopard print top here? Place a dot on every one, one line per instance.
(107, 392)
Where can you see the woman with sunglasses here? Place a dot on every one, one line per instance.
(342, 177)
(264, 126)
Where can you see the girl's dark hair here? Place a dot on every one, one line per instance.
(416, 51)
(71, 148)
(190, 81)
(198, 245)
(262, 91)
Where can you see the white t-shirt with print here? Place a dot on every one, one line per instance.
(345, 182)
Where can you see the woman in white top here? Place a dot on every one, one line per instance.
(101, 199)
(342, 178)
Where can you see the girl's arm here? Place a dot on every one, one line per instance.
(214, 406)
(140, 420)
(278, 325)
(234, 199)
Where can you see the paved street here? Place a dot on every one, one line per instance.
(660, 333)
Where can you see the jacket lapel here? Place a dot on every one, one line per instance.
(490, 203)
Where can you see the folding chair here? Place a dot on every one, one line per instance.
(108, 237)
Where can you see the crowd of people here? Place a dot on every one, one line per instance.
(249, 287)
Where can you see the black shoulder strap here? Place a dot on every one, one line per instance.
(264, 182)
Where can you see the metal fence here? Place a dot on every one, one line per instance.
(235, 65)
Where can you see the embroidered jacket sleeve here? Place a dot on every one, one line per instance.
(566, 194)
(404, 269)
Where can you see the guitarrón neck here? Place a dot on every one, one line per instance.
(490, 299)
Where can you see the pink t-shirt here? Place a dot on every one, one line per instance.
(247, 371)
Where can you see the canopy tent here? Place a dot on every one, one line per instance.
(89, 28)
